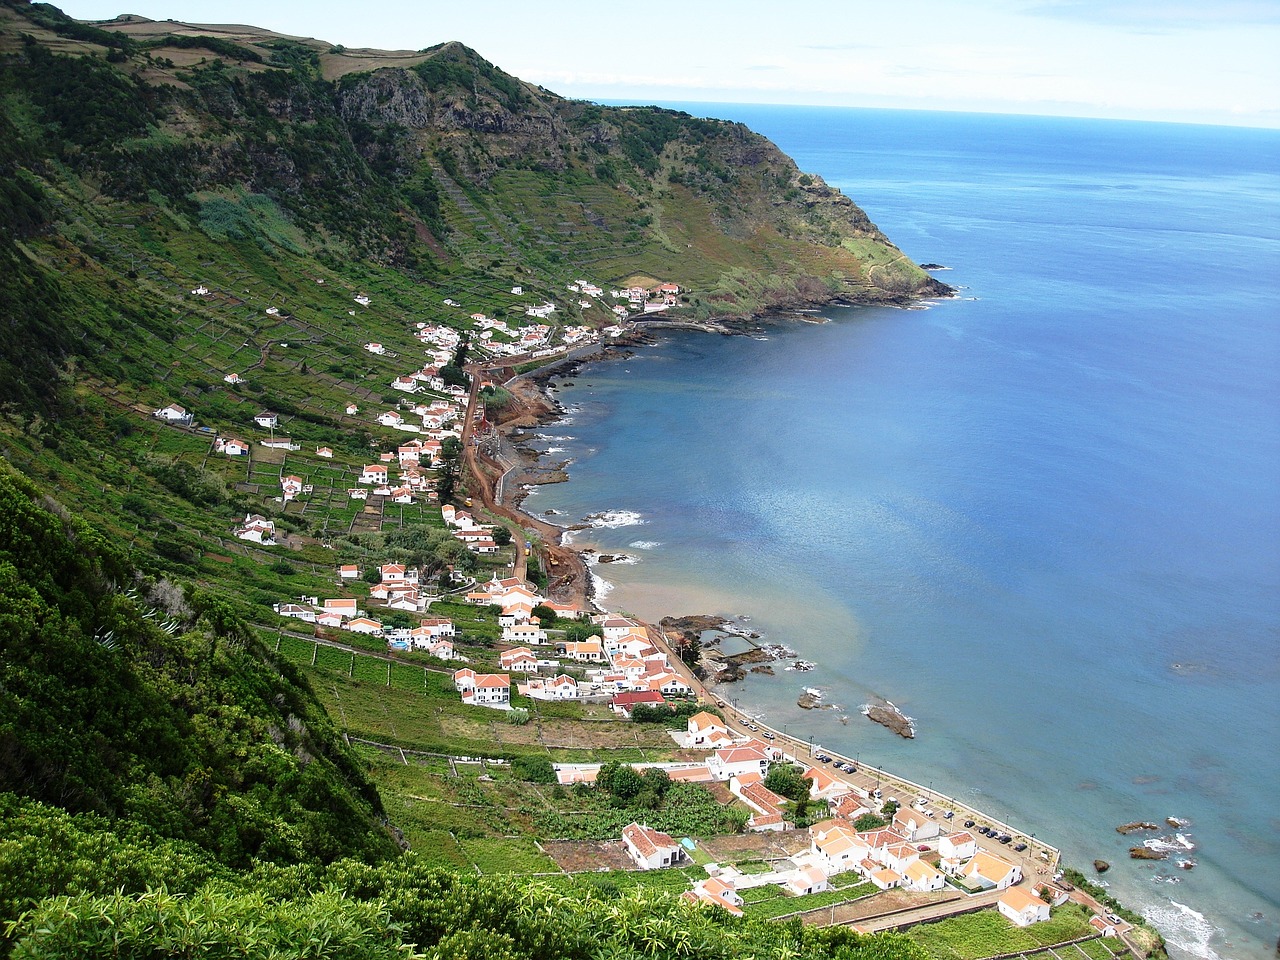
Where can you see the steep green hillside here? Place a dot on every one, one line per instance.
(134, 699)
(179, 204)
(144, 157)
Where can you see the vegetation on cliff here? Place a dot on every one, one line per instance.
(169, 782)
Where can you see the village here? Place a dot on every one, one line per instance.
(931, 852)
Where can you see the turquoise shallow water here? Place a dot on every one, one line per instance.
(1042, 518)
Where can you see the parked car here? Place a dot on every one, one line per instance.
(1020, 847)
(968, 823)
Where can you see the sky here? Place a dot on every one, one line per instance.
(1209, 61)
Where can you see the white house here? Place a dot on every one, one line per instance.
(914, 825)
(257, 529)
(524, 633)
(172, 413)
(364, 625)
(345, 606)
(348, 571)
(837, 847)
(986, 870)
(650, 849)
(1022, 907)
(717, 892)
(483, 689)
(562, 687)
(707, 730)
(267, 420)
(923, 877)
(231, 447)
(518, 660)
(956, 848)
(233, 378)
(735, 761)
(806, 881)
(297, 611)
(375, 473)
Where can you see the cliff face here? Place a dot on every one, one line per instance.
(432, 162)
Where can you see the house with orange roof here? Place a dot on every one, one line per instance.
(825, 785)
(524, 633)
(956, 848)
(914, 825)
(850, 807)
(1104, 926)
(885, 879)
(923, 877)
(364, 625)
(348, 571)
(617, 629)
(483, 689)
(730, 762)
(715, 892)
(878, 841)
(807, 881)
(670, 685)
(624, 703)
(518, 660)
(562, 687)
(1022, 907)
(766, 806)
(899, 856)
(838, 849)
(988, 871)
(347, 606)
(515, 613)
(585, 651)
(650, 849)
(707, 730)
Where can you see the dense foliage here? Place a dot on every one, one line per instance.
(137, 700)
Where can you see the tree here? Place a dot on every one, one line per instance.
(620, 781)
(534, 769)
(546, 616)
(869, 821)
(785, 780)
(501, 536)
(454, 376)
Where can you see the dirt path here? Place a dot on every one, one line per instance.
(567, 577)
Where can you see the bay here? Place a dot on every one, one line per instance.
(1042, 518)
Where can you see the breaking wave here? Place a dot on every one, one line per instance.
(615, 518)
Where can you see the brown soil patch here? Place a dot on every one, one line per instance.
(765, 846)
(588, 856)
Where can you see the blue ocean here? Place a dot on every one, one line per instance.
(1042, 518)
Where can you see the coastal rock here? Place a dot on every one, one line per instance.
(766, 670)
(809, 701)
(692, 625)
(1136, 826)
(887, 715)
(1101, 866)
(1146, 853)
